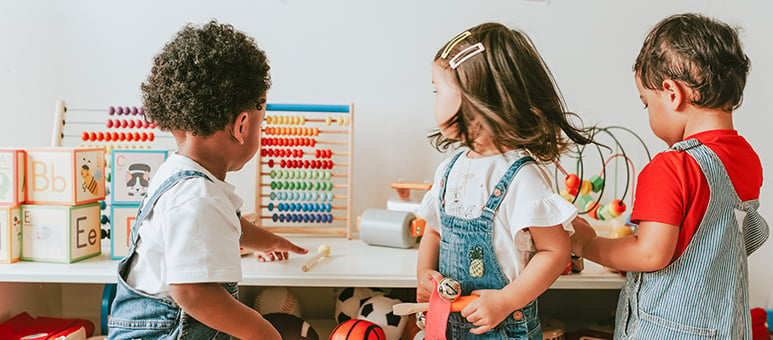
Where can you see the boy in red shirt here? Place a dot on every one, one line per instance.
(687, 263)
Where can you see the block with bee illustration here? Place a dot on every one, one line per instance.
(10, 234)
(12, 163)
(65, 176)
(65, 234)
(131, 171)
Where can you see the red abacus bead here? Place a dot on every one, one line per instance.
(92, 136)
(572, 182)
(270, 163)
(85, 136)
(329, 164)
(122, 136)
(130, 124)
(316, 153)
(151, 137)
(123, 124)
(100, 136)
(306, 164)
(145, 125)
(108, 136)
(617, 207)
(312, 142)
(283, 163)
(329, 153)
(109, 123)
(114, 136)
(137, 136)
(144, 136)
(263, 152)
(129, 137)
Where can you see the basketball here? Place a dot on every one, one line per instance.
(291, 327)
(356, 329)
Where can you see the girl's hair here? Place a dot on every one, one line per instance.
(205, 77)
(508, 93)
(702, 53)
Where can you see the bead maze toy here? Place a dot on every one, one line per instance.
(304, 176)
(589, 194)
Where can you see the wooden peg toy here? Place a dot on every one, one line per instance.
(322, 252)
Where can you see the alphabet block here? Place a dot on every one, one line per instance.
(121, 221)
(65, 176)
(63, 234)
(10, 234)
(12, 165)
(131, 172)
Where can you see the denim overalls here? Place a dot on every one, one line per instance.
(136, 315)
(704, 293)
(467, 255)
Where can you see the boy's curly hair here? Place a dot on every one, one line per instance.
(203, 78)
(702, 53)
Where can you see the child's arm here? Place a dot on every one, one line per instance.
(543, 269)
(426, 267)
(260, 239)
(211, 304)
(652, 248)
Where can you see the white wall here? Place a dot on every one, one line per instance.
(376, 54)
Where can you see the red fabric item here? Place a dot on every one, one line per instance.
(760, 329)
(671, 189)
(24, 325)
(436, 317)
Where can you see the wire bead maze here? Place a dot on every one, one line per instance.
(587, 190)
(304, 172)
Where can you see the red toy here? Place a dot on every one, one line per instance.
(356, 329)
(25, 326)
(760, 329)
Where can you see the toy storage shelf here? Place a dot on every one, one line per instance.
(351, 263)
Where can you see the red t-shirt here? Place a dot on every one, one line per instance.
(672, 189)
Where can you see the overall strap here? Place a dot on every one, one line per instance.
(147, 205)
(444, 181)
(755, 229)
(501, 188)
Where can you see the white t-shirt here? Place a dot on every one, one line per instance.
(529, 202)
(191, 235)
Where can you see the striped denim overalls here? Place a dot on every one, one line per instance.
(467, 255)
(704, 293)
(136, 315)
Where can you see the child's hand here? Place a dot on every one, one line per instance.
(487, 311)
(426, 284)
(583, 232)
(279, 250)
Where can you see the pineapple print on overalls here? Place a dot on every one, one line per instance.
(467, 255)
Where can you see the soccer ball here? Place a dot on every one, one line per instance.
(350, 300)
(378, 309)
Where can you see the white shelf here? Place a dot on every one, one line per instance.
(351, 263)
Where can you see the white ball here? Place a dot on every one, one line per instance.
(419, 335)
(277, 300)
(350, 300)
(378, 310)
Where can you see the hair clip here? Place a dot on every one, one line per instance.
(465, 54)
(453, 43)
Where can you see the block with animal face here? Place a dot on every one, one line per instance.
(131, 172)
(65, 176)
(12, 165)
(65, 234)
(10, 234)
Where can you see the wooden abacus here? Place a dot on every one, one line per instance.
(304, 173)
(114, 127)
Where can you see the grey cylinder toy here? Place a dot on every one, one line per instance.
(387, 228)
